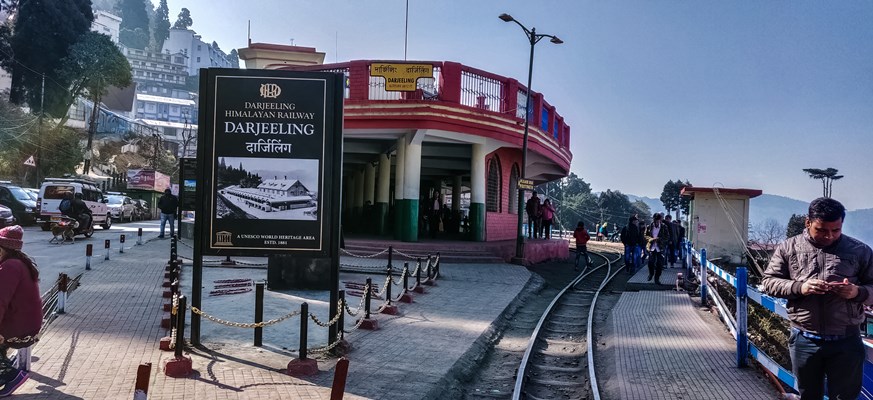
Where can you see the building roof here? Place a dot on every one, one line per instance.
(167, 124)
(691, 190)
(162, 99)
(280, 184)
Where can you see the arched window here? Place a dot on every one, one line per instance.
(513, 190)
(492, 191)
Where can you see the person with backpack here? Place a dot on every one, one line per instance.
(582, 237)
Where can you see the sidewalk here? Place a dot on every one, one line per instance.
(664, 347)
(113, 324)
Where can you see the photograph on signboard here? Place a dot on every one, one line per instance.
(267, 188)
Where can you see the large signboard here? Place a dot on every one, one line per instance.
(269, 161)
(147, 179)
(401, 77)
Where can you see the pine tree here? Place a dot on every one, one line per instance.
(134, 32)
(161, 31)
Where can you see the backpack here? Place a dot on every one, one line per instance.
(66, 206)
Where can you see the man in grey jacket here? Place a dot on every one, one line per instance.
(827, 277)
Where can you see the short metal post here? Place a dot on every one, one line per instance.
(139, 236)
(429, 276)
(390, 283)
(173, 248)
(339, 379)
(390, 255)
(304, 326)
(341, 323)
(703, 277)
(368, 289)
(106, 245)
(121, 247)
(418, 272)
(437, 266)
(141, 385)
(89, 251)
(405, 277)
(742, 317)
(180, 326)
(259, 312)
(63, 286)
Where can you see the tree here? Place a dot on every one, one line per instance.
(763, 239)
(233, 58)
(134, 31)
(183, 21)
(672, 199)
(615, 208)
(95, 64)
(827, 177)
(796, 225)
(43, 34)
(161, 30)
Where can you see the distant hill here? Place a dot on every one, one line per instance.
(771, 206)
(654, 204)
(859, 224)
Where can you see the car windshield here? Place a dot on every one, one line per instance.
(115, 200)
(19, 193)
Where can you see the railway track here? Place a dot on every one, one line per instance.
(558, 362)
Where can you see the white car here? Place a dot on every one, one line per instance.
(121, 207)
(53, 190)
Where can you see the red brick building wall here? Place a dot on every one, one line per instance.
(502, 225)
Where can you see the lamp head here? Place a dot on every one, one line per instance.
(555, 40)
(506, 17)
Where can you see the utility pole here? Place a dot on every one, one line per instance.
(92, 129)
(39, 133)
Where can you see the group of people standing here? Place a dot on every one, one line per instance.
(540, 217)
(660, 242)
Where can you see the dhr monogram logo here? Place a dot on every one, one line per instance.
(270, 90)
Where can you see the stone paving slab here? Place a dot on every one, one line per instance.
(664, 349)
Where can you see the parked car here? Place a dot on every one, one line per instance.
(142, 209)
(121, 207)
(19, 201)
(53, 191)
(6, 217)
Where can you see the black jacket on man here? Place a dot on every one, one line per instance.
(168, 203)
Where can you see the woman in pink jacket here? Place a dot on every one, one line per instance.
(20, 305)
(548, 216)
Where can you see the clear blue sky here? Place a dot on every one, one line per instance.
(737, 93)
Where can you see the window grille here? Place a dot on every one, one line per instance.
(513, 190)
(492, 195)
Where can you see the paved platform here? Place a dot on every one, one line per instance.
(665, 348)
(113, 324)
(662, 347)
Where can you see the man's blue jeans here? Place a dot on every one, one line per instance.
(172, 219)
(842, 361)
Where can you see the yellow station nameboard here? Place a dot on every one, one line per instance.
(401, 77)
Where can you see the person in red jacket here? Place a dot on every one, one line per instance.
(582, 237)
(20, 305)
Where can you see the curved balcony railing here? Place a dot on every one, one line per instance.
(458, 84)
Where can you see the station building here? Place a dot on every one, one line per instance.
(455, 141)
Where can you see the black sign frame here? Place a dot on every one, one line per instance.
(239, 111)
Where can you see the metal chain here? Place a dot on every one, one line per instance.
(384, 287)
(361, 305)
(407, 255)
(339, 313)
(399, 280)
(26, 339)
(363, 256)
(319, 350)
(242, 325)
(357, 325)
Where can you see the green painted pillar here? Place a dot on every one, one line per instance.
(477, 193)
(411, 189)
(477, 221)
(398, 188)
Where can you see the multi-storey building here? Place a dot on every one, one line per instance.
(107, 24)
(161, 74)
(200, 54)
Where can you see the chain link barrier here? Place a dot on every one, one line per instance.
(339, 313)
(348, 253)
(217, 320)
(360, 305)
(411, 257)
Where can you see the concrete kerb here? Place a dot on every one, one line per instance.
(463, 369)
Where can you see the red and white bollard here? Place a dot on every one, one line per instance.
(106, 245)
(141, 387)
(139, 236)
(121, 247)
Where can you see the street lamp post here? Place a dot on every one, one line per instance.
(534, 38)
